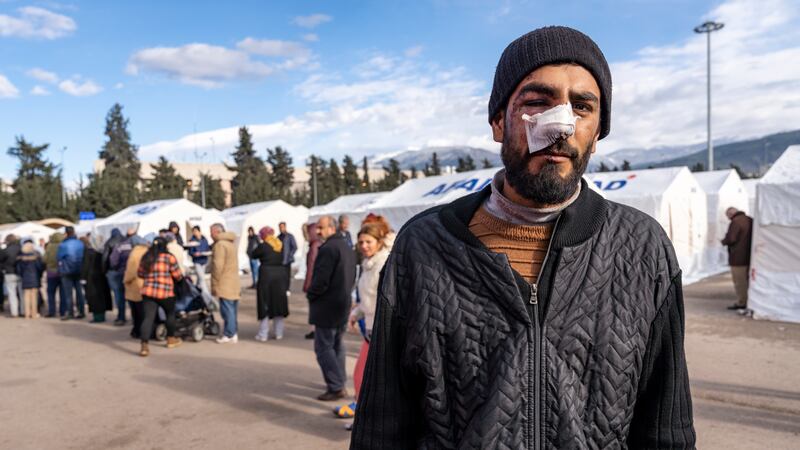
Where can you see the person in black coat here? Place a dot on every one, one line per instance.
(329, 298)
(98, 293)
(272, 284)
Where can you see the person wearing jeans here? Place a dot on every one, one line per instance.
(70, 260)
(8, 262)
(329, 305)
(225, 283)
(199, 250)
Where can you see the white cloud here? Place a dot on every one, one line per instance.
(311, 21)
(34, 22)
(119, 86)
(660, 96)
(43, 75)
(39, 91)
(402, 105)
(198, 64)
(78, 88)
(310, 37)
(413, 52)
(390, 102)
(272, 47)
(7, 88)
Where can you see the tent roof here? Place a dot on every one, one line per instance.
(713, 181)
(786, 170)
(143, 210)
(635, 183)
(437, 189)
(348, 202)
(250, 208)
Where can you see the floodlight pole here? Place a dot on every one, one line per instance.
(63, 187)
(708, 28)
(314, 176)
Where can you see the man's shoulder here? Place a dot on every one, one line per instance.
(630, 220)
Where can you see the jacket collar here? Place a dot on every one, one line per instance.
(577, 223)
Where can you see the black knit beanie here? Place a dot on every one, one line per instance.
(551, 45)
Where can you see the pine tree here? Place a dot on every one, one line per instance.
(427, 170)
(282, 173)
(351, 181)
(165, 182)
(698, 167)
(603, 167)
(366, 184)
(435, 168)
(117, 186)
(321, 167)
(335, 180)
(626, 165)
(393, 176)
(465, 164)
(37, 189)
(252, 180)
(487, 164)
(215, 196)
(413, 172)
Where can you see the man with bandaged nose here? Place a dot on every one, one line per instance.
(532, 314)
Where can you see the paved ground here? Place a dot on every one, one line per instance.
(76, 385)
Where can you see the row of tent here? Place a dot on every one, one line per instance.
(689, 206)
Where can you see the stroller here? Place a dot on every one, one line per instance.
(194, 314)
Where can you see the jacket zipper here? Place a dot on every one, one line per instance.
(538, 357)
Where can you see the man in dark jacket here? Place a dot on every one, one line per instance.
(8, 262)
(115, 257)
(287, 251)
(738, 240)
(533, 313)
(70, 263)
(329, 305)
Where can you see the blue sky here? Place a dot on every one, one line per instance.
(369, 77)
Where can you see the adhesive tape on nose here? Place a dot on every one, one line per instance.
(547, 128)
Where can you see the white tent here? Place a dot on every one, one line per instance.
(750, 186)
(155, 215)
(775, 259)
(724, 189)
(419, 194)
(25, 230)
(355, 206)
(674, 198)
(258, 215)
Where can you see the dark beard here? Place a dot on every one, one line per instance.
(547, 187)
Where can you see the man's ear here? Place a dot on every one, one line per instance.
(498, 127)
(594, 142)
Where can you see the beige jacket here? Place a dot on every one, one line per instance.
(225, 268)
(133, 284)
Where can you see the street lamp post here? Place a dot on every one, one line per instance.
(63, 188)
(708, 28)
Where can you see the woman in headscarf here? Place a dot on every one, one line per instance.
(272, 284)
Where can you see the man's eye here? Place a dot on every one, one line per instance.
(535, 103)
(582, 107)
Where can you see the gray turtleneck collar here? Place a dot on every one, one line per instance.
(504, 209)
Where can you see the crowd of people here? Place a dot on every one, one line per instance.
(148, 275)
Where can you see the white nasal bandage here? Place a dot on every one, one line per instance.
(547, 128)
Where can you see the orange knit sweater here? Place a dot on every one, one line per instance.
(524, 245)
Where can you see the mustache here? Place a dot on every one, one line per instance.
(559, 148)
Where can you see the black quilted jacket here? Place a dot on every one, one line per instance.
(466, 354)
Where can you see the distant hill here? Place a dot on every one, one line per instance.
(448, 156)
(639, 157)
(753, 156)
